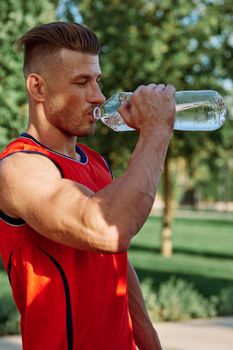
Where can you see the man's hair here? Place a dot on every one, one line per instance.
(48, 39)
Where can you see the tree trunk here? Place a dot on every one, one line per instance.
(166, 234)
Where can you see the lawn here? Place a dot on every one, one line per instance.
(202, 253)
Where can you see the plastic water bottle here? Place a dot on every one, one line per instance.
(202, 110)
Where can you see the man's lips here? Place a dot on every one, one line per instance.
(90, 116)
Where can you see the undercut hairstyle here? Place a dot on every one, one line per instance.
(47, 40)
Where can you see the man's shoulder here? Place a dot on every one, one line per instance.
(23, 153)
(19, 166)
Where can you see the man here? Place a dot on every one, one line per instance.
(65, 226)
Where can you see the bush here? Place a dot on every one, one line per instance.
(1, 264)
(9, 316)
(225, 302)
(177, 299)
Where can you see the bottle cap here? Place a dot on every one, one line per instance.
(97, 113)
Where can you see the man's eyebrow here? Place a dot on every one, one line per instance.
(85, 76)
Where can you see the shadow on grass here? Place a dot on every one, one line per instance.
(141, 248)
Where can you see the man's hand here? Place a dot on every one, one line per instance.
(150, 107)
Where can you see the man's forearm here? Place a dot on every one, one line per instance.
(122, 207)
(145, 335)
(128, 200)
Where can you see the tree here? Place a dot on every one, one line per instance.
(16, 17)
(183, 42)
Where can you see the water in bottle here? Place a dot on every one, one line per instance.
(202, 110)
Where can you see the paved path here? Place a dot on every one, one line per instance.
(10, 343)
(215, 334)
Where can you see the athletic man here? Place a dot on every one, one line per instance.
(65, 226)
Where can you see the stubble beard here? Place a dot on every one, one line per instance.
(66, 122)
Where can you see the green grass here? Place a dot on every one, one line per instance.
(202, 253)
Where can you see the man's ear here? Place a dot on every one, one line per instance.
(36, 87)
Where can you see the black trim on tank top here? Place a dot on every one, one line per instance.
(10, 220)
(9, 265)
(83, 157)
(108, 166)
(69, 322)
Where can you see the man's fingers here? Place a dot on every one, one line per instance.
(170, 90)
(152, 86)
(124, 108)
(160, 87)
(139, 88)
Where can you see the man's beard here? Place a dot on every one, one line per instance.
(67, 122)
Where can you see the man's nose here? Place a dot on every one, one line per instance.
(96, 96)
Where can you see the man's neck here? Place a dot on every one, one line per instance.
(55, 140)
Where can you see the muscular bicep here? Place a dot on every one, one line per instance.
(32, 188)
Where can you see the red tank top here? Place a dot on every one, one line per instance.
(68, 299)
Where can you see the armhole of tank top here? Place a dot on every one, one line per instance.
(108, 166)
(10, 220)
(18, 221)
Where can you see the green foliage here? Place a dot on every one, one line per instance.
(186, 43)
(225, 302)
(175, 300)
(9, 316)
(16, 17)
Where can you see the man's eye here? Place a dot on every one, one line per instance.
(81, 83)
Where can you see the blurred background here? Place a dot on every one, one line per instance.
(184, 253)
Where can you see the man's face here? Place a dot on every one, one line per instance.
(72, 91)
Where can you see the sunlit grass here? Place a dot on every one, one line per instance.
(202, 253)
